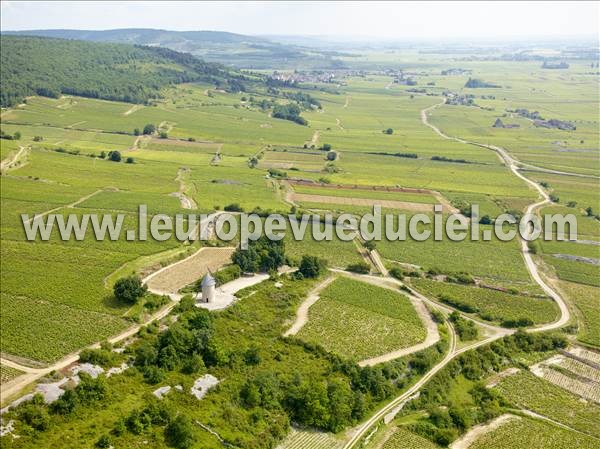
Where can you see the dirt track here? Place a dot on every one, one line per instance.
(302, 312)
(475, 432)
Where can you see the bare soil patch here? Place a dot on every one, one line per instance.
(176, 276)
(390, 204)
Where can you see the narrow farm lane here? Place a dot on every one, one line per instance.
(513, 165)
(302, 312)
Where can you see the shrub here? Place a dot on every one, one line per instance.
(179, 433)
(100, 357)
(396, 272)
(521, 322)
(359, 267)
(460, 305)
(153, 374)
(103, 442)
(233, 207)
(193, 365)
(227, 274)
(129, 160)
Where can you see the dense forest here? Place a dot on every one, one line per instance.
(51, 67)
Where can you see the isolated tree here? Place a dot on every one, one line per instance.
(136, 132)
(388, 131)
(163, 135)
(331, 156)
(129, 160)
(129, 289)
(17, 135)
(589, 211)
(149, 129)
(326, 147)
(114, 156)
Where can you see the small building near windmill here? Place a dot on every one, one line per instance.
(208, 288)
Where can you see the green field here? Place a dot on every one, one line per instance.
(405, 439)
(538, 395)
(533, 434)
(493, 259)
(493, 305)
(359, 320)
(587, 302)
(8, 373)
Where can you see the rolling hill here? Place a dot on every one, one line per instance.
(51, 67)
(233, 49)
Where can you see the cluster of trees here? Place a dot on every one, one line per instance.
(15, 136)
(406, 155)
(147, 130)
(475, 83)
(447, 159)
(289, 112)
(466, 329)
(97, 70)
(446, 420)
(262, 255)
(113, 156)
(342, 398)
(304, 100)
(311, 267)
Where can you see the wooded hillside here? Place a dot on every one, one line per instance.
(51, 67)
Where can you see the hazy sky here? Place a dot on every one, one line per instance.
(400, 20)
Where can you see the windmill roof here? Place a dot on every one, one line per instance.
(208, 280)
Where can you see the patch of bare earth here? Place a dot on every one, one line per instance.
(472, 435)
(176, 276)
(390, 204)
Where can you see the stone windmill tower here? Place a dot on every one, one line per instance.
(208, 288)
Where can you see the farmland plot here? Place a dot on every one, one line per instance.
(308, 439)
(540, 396)
(493, 259)
(8, 373)
(176, 276)
(405, 439)
(532, 434)
(587, 301)
(491, 304)
(360, 321)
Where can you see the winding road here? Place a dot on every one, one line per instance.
(513, 165)
(496, 332)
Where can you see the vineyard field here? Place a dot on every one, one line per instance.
(361, 321)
